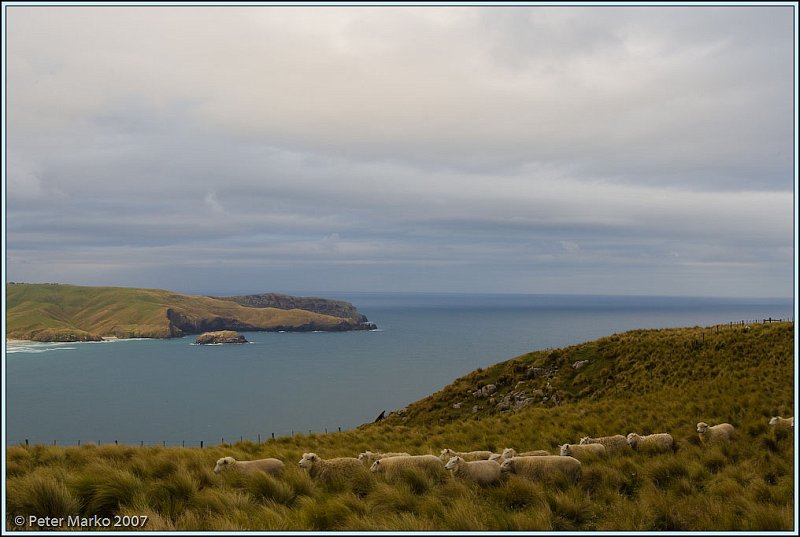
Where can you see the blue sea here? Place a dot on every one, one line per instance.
(174, 392)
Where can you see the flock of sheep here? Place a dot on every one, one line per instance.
(487, 468)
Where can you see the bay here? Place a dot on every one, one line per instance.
(174, 392)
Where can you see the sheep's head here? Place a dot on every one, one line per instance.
(447, 454)
(453, 463)
(509, 452)
(376, 466)
(565, 450)
(308, 460)
(224, 462)
(507, 466)
(633, 439)
(774, 420)
(364, 457)
(702, 427)
(585, 440)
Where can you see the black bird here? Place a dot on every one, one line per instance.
(380, 417)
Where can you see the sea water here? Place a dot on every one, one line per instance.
(174, 392)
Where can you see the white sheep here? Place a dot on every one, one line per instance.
(581, 451)
(269, 466)
(613, 444)
(448, 454)
(509, 453)
(327, 469)
(483, 472)
(368, 457)
(782, 422)
(654, 443)
(723, 432)
(389, 466)
(544, 467)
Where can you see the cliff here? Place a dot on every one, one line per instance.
(54, 312)
(334, 308)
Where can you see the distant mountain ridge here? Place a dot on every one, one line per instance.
(55, 312)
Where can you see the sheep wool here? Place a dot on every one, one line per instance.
(509, 453)
(778, 421)
(654, 443)
(709, 434)
(269, 466)
(327, 469)
(581, 451)
(543, 468)
(613, 444)
(368, 457)
(389, 466)
(483, 472)
(448, 454)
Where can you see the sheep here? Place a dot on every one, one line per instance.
(782, 422)
(483, 472)
(580, 451)
(448, 454)
(653, 443)
(547, 467)
(269, 466)
(509, 453)
(329, 469)
(431, 464)
(368, 457)
(723, 432)
(613, 444)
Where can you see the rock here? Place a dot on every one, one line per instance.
(223, 336)
(579, 364)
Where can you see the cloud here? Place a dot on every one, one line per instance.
(517, 145)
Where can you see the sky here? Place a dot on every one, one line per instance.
(515, 149)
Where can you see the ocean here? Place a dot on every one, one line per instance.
(173, 392)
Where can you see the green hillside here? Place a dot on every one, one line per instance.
(52, 312)
(642, 381)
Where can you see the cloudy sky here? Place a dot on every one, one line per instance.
(531, 149)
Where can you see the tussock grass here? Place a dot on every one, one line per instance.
(664, 381)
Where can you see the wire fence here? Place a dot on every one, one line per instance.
(221, 442)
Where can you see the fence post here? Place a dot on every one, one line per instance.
(201, 444)
(273, 436)
(116, 443)
(259, 438)
(26, 442)
(340, 429)
(164, 443)
(241, 439)
(142, 444)
(79, 442)
(183, 443)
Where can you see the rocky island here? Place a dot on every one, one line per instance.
(222, 336)
(56, 312)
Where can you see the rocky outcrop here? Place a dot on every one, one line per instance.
(324, 306)
(223, 336)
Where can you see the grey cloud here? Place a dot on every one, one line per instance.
(375, 145)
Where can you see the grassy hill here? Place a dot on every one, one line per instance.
(644, 381)
(52, 312)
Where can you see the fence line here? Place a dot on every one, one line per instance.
(259, 439)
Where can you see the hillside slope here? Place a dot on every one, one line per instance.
(52, 312)
(690, 361)
(644, 381)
